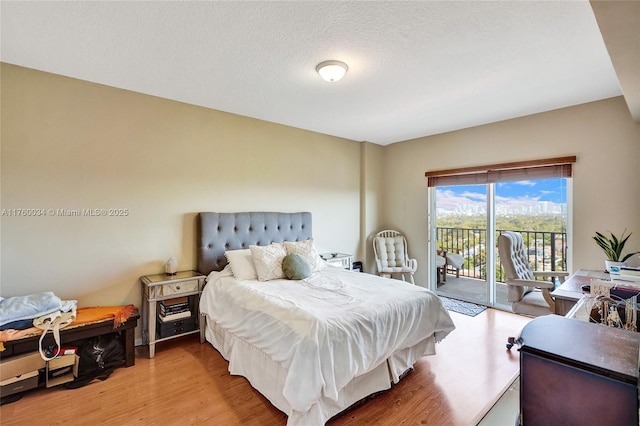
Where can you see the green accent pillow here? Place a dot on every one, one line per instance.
(296, 267)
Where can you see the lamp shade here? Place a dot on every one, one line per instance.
(332, 71)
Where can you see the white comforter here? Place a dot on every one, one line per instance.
(327, 329)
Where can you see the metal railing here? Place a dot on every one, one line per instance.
(547, 251)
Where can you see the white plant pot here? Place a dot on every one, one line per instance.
(609, 263)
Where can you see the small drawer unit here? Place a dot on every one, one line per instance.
(60, 370)
(170, 306)
(20, 373)
(177, 288)
(173, 328)
(19, 383)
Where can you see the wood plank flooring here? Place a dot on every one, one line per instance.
(188, 384)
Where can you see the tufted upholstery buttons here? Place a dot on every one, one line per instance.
(391, 254)
(223, 231)
(391, 251)
(518, 265)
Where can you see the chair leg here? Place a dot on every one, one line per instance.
(511, 341)
(411, 278)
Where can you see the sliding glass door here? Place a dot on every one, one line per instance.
(537, 209)
(461, 222)
(466, 220)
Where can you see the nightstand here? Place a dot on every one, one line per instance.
(165, 297)
(341, 260)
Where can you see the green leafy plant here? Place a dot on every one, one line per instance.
(613, 246)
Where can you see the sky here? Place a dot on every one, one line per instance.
(529, 197)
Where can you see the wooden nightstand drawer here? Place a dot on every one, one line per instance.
(178, 288)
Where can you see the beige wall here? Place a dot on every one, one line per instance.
(69, 144)
(606, 184)
(372, 181)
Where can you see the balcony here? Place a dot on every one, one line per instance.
(547, 251)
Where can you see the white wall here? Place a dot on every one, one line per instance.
(606, 183)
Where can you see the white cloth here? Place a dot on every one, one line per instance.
(327, 329)
(32, 306)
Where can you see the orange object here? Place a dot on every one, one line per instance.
(119, 314)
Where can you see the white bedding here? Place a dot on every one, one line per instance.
(327, 329)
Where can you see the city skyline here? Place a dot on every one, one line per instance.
(542, 196)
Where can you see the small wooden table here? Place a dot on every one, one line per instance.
(568, 294)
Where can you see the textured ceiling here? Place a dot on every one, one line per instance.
(415, 68)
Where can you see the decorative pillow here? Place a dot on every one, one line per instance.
(307, 250)
(268, 261)
(241, 262)
(296, 267)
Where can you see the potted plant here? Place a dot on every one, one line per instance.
(612, 247)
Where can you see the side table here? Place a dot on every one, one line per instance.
(341, 260)
(155, 289)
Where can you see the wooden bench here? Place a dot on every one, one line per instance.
(74, 333)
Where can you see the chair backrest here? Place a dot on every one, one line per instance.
(515, 263)
(390, 249)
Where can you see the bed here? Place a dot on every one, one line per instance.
(313, 347)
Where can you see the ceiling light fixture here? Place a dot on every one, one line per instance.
(332, 70)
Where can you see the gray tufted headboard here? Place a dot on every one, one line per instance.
(218, 232)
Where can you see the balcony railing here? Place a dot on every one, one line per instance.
(547, 251)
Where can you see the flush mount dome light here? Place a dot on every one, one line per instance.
(332, 70)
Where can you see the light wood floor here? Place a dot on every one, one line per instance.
(188, 384)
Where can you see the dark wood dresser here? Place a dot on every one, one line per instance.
(578, 373)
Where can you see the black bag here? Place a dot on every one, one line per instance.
(99, 356)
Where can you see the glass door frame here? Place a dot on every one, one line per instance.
(491, 254)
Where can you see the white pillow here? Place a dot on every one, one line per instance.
(268, 261)
(241, 262)
(307, 250)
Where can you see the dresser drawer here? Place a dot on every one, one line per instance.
(178, 288)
